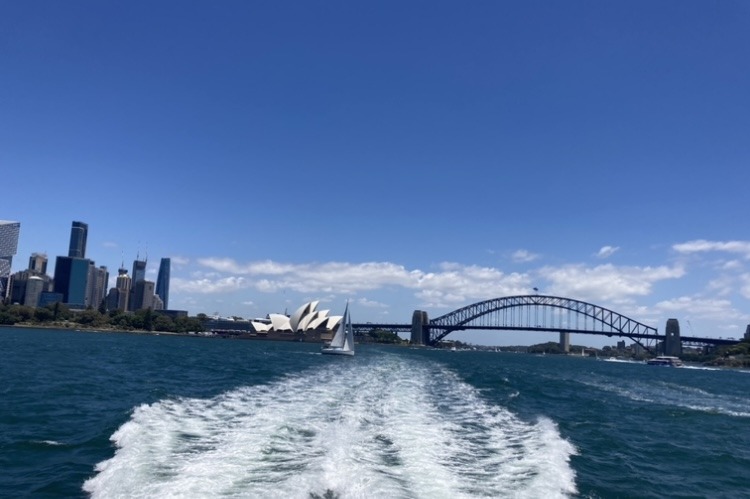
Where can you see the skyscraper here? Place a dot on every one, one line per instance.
(38, 263)
(96, 285)
(122, 285)
(9, 232)
(162, 281)
(139, 270)
(78, 234)
(136, 292)
(71, 277)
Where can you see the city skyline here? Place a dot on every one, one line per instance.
(401, 157)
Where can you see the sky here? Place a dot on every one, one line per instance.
(400, 155)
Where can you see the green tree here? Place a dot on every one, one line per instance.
(163, 323)
(43, 314)
(90, 317)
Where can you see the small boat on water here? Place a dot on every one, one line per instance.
(343, 341)
(665, 360)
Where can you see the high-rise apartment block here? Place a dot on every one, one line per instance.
(78, 234)
(9, 232)
(162, 282)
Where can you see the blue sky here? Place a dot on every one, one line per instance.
(403, 155)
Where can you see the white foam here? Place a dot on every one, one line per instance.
(381, 428)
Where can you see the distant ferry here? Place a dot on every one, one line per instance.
(665, 360)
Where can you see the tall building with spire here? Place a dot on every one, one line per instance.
(162, 282)
(78, 234)
(119, 296)
(9, 232)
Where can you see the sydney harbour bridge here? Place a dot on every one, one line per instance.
(535, 313)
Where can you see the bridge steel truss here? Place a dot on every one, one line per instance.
(542, 313)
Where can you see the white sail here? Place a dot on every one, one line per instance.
(339, 339)
(343, 341)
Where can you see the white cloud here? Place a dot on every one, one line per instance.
(701, 246)
(371, 303)
(523, 256)
(607, 251)
(179, 260)
(606, 282)
(208, 286)
(700, 308)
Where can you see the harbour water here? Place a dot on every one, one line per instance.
(88, 414)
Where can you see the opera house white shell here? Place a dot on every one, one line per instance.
(306, 318)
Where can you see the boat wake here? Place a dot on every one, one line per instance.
(676, 395)
(386, 427)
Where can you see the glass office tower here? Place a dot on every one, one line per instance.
(78, 234)
(162, 281)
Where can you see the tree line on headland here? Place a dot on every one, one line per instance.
(60, 315)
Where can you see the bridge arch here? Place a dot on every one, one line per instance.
(539, 313)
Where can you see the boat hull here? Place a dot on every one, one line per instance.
(664, 360)
(336, 351)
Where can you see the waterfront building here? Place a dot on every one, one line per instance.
(78, 235)
(50, 298)
(19, 282)
(121, 296)
(35, 286)
(38, 263)
(162, 281)
(17, 286)
(143, 293)
(96, 285)
(71, 277)
(9, 232)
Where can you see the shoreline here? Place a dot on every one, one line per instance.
(83, 329)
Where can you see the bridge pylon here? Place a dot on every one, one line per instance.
(672, 341)
(420, 334)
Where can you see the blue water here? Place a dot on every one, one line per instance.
(124, 415)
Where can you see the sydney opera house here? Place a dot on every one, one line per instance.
(307, 323)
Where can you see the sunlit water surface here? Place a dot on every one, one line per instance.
(123, 415)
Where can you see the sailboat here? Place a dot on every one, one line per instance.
(343, 341)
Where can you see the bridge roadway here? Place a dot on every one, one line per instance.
(367, 327)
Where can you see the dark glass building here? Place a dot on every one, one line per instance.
(136, 294)
(162, 281)
(71, 276)
(78, 234)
